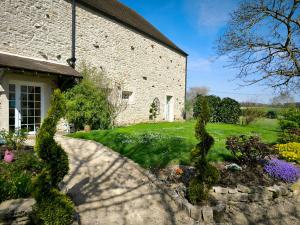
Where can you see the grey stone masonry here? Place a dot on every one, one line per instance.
(147, 69)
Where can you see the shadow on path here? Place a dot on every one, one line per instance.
(108, 189)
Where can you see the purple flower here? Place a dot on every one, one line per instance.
(282, 170)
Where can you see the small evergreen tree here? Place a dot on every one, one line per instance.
(153, 111)
(52, 207)
(206, 174)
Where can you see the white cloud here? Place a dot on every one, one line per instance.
(210, 15)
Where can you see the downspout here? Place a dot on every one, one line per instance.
(72, 60)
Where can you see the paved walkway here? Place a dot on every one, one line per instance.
(107, 189)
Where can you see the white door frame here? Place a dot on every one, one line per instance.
(169, 108)
(18, 84)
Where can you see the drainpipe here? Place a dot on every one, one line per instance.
(72, 60)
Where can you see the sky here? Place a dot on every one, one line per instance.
(194, 26)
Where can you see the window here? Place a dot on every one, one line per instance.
(126, 95)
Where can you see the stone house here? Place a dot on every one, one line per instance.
(41, 41)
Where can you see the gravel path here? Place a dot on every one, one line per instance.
(108, 189)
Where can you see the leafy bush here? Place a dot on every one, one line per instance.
(282, 170)
(15, 178)
(292, 114)
(206, 174)
(287, 124)
(289, 135)
(88, 105)
(230, 111)
(14, 140)
(289, 151)
(290, 125)
(51, 206)
(226, 110)
(271, 114)
(213, 103)
(251, 114)
(250, 150)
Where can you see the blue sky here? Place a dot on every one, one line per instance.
(194, 26)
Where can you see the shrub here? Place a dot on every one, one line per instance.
(213, 103)
(289, 151)
(282, 170)
(15, 178)
(250, 115)
(14, 140)
(51, 206)
(88, 105)
(248, 150)
(206, 174)
(55, 209)
(287, 124)
(153, 111)
(289, 135)
(226, 110)
(290, 125)
(229, 111)
(292, 114)
(271, 114)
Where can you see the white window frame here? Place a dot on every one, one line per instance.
(18, 84)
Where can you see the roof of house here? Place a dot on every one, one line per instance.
(121, 13)
(29, 64)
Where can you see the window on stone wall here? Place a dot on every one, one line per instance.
(126, 95)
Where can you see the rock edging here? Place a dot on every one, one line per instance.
(16, 211)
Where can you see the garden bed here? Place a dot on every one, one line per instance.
(236, 196)
(16, 177)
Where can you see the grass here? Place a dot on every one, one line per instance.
(159, 144)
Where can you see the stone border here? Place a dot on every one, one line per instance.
(205, 214)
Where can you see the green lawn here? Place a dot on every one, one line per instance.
(160, 144)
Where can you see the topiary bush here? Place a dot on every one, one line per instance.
(51, 206)
(206, 174)
(290, 125)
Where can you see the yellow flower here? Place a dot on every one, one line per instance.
(289, 151)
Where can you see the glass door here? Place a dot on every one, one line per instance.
(30, 107)
(24, 107)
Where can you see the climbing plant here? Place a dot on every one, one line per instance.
(52, 207)
(206, 174)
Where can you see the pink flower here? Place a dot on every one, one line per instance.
(9, 156)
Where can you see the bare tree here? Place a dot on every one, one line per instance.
(194, 91)
(282, 98)
(262, 40)
(191, 95)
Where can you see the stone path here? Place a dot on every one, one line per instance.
(107, 189)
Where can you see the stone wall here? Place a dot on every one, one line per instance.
(148, 69)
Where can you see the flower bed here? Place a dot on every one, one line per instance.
(250, 189)
(15, 177)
